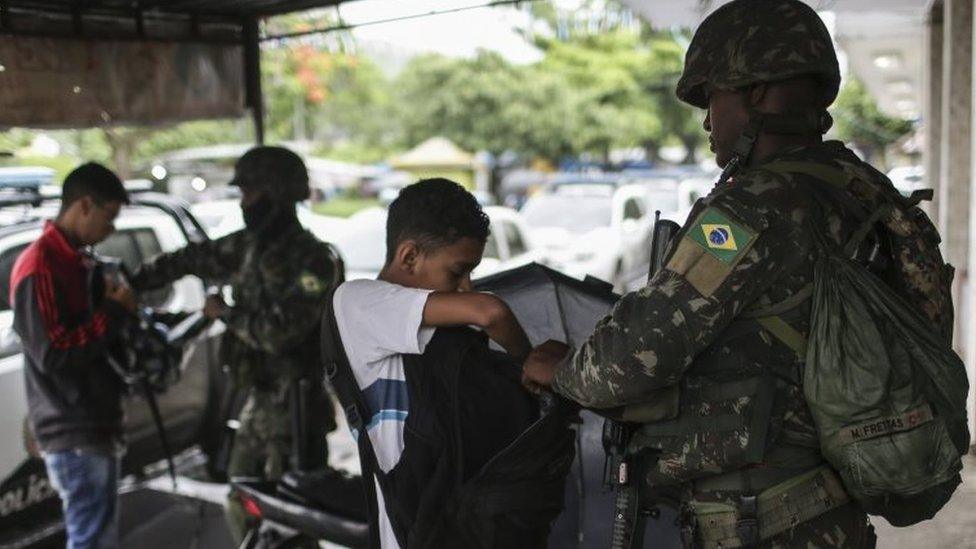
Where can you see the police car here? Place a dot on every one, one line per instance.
(194, 410)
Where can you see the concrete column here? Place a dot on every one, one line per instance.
(955, 173)
(956, 149)
(967, 337)
(932, 103)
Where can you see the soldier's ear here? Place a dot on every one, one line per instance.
(756, 94)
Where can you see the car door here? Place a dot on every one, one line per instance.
(634, 251)
(516, 241)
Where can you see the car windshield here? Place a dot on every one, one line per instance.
(576, 213)
(664, 200)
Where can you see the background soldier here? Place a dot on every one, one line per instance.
(726, 319)
(278, 273)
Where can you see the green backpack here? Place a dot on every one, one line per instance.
(887, 392)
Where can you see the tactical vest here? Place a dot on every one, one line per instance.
(481, 467)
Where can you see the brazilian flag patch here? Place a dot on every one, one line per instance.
(721, 237)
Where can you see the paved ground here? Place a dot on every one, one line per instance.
(196, 519)
(954, 526)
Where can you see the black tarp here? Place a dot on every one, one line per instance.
(551, 305)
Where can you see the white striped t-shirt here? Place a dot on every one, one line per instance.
(378, 322)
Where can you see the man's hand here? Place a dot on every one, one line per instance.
(215, 307)
(542, 364)
(120, 293)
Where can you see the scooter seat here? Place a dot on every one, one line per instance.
(277, 508)
(336, 492)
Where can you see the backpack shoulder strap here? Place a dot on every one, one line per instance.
(835, 177)
(836, 181)
(340, 374)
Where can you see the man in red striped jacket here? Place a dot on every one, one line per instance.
(67, 319)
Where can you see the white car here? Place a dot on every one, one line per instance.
(907, 179)
(599, 229)
(689, 191)
(661, 194)
(222, 217)
(362, 243)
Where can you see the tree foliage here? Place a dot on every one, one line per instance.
(858, 120)
(485, 103)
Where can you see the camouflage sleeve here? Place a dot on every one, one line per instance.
(213, 259)
(297, 309)
(730, 251)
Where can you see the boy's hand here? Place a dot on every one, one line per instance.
(542, 364)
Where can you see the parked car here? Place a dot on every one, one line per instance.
(222, 217)
(689, 191)
(194, 409)
(907, 179)
(599, 228)
(201, 174)
(362, 243)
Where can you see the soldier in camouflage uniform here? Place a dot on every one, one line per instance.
(278, 272)
(724, 323)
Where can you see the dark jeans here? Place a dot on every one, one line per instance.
(88, 484)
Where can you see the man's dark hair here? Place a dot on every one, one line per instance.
(434, 213)
(94, 180)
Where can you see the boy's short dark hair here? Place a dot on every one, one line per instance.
(434, 213)
(94, 180)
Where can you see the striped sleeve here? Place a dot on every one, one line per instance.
(61, 337)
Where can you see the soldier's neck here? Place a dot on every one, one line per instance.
(768, 145)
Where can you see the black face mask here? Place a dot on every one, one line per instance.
(258, 214)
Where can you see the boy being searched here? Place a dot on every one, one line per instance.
(67, 320)
(439, 404)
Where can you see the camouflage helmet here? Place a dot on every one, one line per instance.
(748, 42)
(276, 170)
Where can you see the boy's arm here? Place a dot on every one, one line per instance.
(482, 310)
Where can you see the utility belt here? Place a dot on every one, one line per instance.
(757, 518)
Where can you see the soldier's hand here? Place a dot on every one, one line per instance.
(214, 307)
(542, 364)
(120, 293)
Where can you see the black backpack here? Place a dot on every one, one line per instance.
(482, 466)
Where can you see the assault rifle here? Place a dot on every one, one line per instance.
(624, 472)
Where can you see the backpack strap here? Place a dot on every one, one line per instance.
(340, 374)
(788, 335)
(837, 181)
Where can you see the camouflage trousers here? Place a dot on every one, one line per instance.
(263, 442)
(845, 527)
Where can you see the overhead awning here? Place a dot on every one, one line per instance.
(68, 63)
